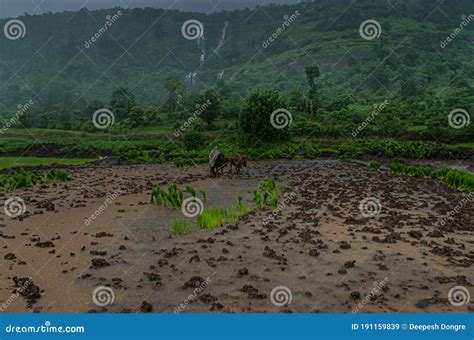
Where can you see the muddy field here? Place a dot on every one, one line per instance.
(345, 239)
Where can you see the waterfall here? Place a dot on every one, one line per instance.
(222, 40)
(190, 78)
(201, 41)
(220, 74)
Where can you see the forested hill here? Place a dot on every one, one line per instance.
(55, 63)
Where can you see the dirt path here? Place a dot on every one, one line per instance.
(399, 257)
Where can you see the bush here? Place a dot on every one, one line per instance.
(194, 140)
(255, 116)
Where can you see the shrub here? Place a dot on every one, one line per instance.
(254, 119)
(194, 140)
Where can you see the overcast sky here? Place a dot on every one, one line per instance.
(12, 8)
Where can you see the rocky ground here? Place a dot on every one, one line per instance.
(344, 239)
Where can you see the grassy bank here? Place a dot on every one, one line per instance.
(9, 162)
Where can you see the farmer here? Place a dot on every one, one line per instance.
(217, 161)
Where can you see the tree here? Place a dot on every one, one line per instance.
(256, 116)
(92, 107)
(136, 116)
(224, 91)
(209, 106)
(151, 115)
(296, 100)
(123, 100)
(312, 72)
(231, 106)
(175, 89)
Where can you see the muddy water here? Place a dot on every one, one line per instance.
(320, 246)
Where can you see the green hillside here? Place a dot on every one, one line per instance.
(407, 66)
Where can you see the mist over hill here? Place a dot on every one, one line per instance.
(13, 8)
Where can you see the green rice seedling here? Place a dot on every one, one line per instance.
(265, 197)
(157, 196)
(233, 214)
(191, 191)
(257, 199)
(456, 179)
(174, 197)
(62, 175)
(239, 200)
(374, 165)
(23, 179)
(274, 199)
(459, 179)
(180, 227)
(203, 194)
(211, 218)
(267, 193)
